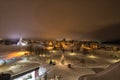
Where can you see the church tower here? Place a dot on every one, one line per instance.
(21, 42)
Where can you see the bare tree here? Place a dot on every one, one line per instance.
(36, 50)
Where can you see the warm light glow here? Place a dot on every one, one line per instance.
(64, 45)
(92, 56)
(53, 51)
(42, 55)
(49, 48)
(15, 54)
(72, 54)
(86, 47)
(114, 61)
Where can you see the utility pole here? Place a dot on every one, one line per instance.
(45, 77)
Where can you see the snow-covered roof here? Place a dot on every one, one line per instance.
(110, 73)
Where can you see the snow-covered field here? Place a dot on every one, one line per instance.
(5, 50)
(8, 54)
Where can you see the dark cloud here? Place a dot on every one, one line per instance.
(57, 18)
(109, 32)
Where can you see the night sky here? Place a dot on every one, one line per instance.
(52, 19)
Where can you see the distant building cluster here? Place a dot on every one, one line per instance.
(66, 45)
(63, 44)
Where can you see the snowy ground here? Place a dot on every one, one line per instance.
(68, 73)
(78, 69)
